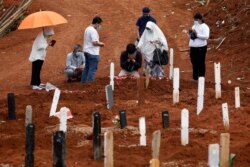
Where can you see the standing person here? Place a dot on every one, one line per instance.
(199, 35)
(130, 62)
(142, 21)
(38, 54)
(91, 49)
(75, 63)
(151, 39)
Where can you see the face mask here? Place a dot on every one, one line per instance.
(98, 27)
(196, 23)
(78, 54)
(149, 30)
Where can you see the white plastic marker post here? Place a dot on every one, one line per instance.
(171, 63)
(237, 97)
(225, 115)
(108, 149)
(200, 99)
(63, 119)
(176, 85)
(112, 75)
(184, 126)
(54, 102)
(217, 78)
(142, 128)
(213, 155)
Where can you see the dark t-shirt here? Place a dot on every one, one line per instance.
(130, 65)
(142, 21)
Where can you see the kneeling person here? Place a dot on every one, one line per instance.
(130, 62)
(75, 63)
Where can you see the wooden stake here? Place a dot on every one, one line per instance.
(171, 63)
(97, 146)
(225, 115)
(156, 142)
(112, 74)
(217, 80)
(147, 78)
(184, 126)
(154, 163)
(63, 119)
(109, 96)
(200, 99)
(140, 86)
(176, 85)
(237, 97)
(59, 149)
(213, 155)
(142, 129)
(28, 115)
(11, 106)
(108, 149)
(30, 145)
(224, 150)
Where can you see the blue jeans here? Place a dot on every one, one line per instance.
(91, 64)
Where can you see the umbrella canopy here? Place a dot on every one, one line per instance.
(42, 19)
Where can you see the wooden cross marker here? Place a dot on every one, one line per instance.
(142, 128)
(108, 149)
(200, 99)
(217, 76)
(213, 155)
(224, 150)
(171, 63)
(237, 97)
(55, 102)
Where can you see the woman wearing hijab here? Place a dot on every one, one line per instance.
(151, 39)
(38, 54)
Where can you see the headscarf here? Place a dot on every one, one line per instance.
(154, 34)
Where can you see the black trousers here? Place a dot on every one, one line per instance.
(36, 71)
(198, 58)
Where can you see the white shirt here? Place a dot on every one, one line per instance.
(39, 48)
(202, 31)
(90, 36)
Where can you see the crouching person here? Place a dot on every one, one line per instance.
(75, 63)
(130, 62)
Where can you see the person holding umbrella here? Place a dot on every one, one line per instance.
(38, 54)
(44, 19)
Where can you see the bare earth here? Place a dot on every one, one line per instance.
(174, 17)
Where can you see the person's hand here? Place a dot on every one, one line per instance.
(101, 44)
(52, 42)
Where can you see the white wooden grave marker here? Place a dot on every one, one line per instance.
(237, 97)
(109, 96)
(142, 128)
(200, 99)
(108, 149)
(225, 149)
(213, 155)
(176, 85)
(171, 63)
(184, 126)
(225, 115)
(112, 75)
(63, 119)
(55, 102)
(28, 115)
(217, 76)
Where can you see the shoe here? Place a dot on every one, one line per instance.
(34, 87)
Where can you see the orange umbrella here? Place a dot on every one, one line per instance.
(42, 19)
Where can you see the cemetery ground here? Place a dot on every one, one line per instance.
(229, 45)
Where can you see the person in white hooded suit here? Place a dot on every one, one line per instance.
(151, 38)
